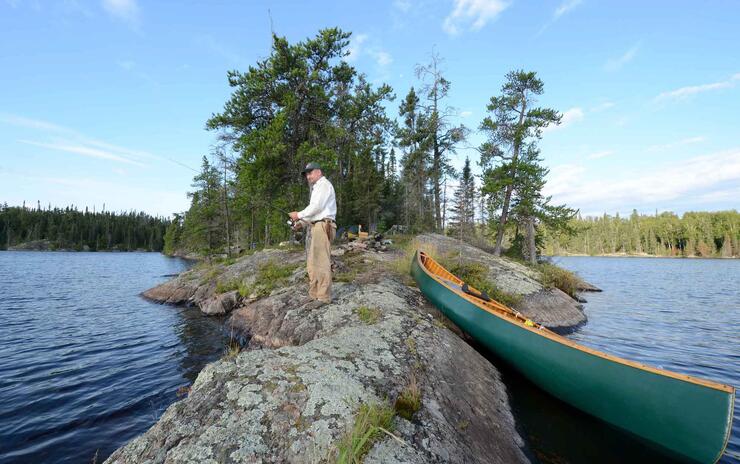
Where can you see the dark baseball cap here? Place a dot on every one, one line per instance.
(310, 167)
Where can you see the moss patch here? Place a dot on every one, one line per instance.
(270, 276)
(367, 314)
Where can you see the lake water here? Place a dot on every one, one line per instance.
(678, 314)
(86, 364)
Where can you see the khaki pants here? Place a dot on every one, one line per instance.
(319, 260)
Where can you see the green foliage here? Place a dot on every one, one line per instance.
(270, 276)
(513, 177)
(556, 277)
(462, 224)
(68, 228)
(371, 420)
(476, 275)
(367, 314)
(227, 286)
(304, 103)
(705, 234)
(409, 401)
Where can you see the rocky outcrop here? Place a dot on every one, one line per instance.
(197, 286)
(549, 306)
(293, 393)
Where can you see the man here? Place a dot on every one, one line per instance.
(321, 214)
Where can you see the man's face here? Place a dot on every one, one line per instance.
(313, 176)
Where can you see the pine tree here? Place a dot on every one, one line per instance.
(513, 127)
(463, 205)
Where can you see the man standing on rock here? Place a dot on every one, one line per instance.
(321, 213)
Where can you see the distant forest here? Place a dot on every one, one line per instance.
(704, 234)
(70, 229)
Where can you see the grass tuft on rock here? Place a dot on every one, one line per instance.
(476, 275)
(372, 421)
(270, 276)
(409, 401)
(557, 277)
(402, 264)
(367, 314)
(227, 286)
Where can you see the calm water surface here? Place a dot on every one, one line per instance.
(677, 314)
(85, 363)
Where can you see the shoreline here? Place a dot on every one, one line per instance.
(626, 255)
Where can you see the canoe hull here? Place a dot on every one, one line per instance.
(688, 420)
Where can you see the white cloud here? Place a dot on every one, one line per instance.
(668, 146)
(709, 176)
(472, 13)
(570, 117)
(685, 92)
(381, 57)
(128, 65)
(403, 5)
(601, 154)
(84, 151)
(615, 64)
(125, 10)
(466, 114)
(72, 141)
(565, 7)
(355, 47)
(603, 106)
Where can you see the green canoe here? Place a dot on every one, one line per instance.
(686, 417)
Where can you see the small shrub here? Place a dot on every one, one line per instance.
(557, 277)
(368, 315)
(371, 422)
(244, 290)
(409, 401)
(233, 347)
(227, 286)
(476, 275)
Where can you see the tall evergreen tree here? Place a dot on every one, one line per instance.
(514, 126)
(463, 205)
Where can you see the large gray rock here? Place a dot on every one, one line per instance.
(294, 392)
(550, 307)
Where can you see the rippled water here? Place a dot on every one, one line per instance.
(678, 314)
(86, 364)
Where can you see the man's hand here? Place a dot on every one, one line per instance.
(294, 215)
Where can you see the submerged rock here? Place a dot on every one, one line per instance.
(550, 307)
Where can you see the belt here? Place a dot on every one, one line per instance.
(324, 220)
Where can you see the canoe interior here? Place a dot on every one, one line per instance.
(686, 416)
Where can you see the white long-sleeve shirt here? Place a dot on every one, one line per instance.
(323, 202)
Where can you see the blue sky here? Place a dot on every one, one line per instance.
(105, 101)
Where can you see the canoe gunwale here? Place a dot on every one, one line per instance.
(509, 315)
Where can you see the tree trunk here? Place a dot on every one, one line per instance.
(510, 187)
(531, 245)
